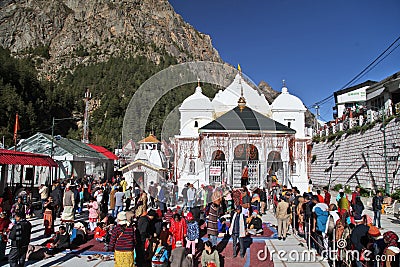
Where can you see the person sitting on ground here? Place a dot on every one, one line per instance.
(255, 225)
(78, 234)
(60, 242)
(160, 258)
(100, 232)
(210, 256)
(35, 253)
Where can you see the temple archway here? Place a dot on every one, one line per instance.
(218, 170)
(246, 156)
(275, 166)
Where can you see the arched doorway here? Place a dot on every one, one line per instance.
(218, 167)
(275, 166)
(246, 155)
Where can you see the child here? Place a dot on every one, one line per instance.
(100, 232)
(192, 233)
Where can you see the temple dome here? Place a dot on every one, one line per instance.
(226, 100)
(287, 102)
(196, 101)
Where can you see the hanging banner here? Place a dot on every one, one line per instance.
(215, 170)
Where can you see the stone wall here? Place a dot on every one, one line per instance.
(341, 159)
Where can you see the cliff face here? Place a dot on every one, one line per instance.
(72, 32)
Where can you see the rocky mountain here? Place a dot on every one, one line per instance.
(65, 33)
(268, 91)
(60, 48)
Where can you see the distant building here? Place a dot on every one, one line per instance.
(150, 164)
(74, 158)
(351, 98)
(368, 100)
(384, 95)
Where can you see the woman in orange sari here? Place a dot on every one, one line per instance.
(48, 217)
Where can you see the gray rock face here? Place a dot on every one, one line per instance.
(81, 32)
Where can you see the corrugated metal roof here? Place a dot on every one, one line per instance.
(12, 157)
(77, 148)
(41, 143)
(104, 151)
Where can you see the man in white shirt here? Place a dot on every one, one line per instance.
(191, 194)
(44, 194)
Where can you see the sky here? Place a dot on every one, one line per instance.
(316, 46)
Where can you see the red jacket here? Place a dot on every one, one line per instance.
(178, 229)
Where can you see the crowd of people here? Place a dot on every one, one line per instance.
(140, 227)
(163, 227)
(339, 225)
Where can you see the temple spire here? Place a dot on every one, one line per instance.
(242, 100)
(284, 88)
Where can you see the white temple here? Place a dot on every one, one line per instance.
(219, 137)
(150, 164)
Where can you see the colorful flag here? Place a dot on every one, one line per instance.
(16, 128)
(239, 68)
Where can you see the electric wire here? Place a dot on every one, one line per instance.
(367, 69)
